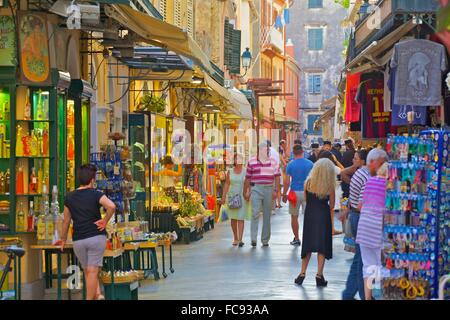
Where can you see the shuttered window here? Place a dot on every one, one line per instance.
(177, 13)
(163, 9)
(314, 84)
(190, 17)
(232, 48)
(313, 4)
(315, 38)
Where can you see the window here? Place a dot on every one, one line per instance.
(314, 84)
(314, 4)
(315, 38)
(232, 48)
(312, 118)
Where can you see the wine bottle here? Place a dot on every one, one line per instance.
(33, 182)
(27, 113)
(19, 142)
(31, 218)
(19, 181)
(7, 181)
(20, 218)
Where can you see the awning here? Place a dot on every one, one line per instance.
(285, 119)
(241, 104)
(376, 48)
(327, 115)
(159, 33)
(329, 103)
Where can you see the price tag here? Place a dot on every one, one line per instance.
(116, 169)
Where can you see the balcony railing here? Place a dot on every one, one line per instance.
(388, 15)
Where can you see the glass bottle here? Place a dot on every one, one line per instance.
(19, 181)
(26, 145)
(19, 142)
(2, 183)
(7, 181)
(27, 112)
(45, 143)
(35, 150)
(33, 182)
(20, 218)
(31, 218)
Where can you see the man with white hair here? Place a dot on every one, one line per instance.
(375, 159)
(261, 186)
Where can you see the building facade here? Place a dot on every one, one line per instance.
(317, 26)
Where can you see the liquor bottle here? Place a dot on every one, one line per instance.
(7, 181)
(19, 181)
(48, 219)
(2, 183)
(31, 218)
(33, 182)
(19, 142)
(35, 150)
(40, 179)
(40, 114)
(44, 139)
(27, 113)
(20, 219)
(56, 216)
(26, 145)
(40, 227)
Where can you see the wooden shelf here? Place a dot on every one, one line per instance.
(24, 120)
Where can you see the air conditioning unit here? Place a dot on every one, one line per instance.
(229, 83)
(90, 13)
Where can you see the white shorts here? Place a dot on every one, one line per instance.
(301, 201)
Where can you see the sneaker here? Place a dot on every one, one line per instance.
(296, 242)
(265, 245)
(253, 244)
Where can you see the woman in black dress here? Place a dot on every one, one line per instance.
(317, 225)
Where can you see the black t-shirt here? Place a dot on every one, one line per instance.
(84, 206)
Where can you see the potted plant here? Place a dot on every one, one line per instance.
(152, 103)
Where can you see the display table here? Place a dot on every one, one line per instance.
(110, 257)
(49, 250)
(144, 257)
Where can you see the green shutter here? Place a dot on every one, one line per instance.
(235, 63)
(228, 30)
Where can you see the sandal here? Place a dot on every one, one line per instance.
(235, 243)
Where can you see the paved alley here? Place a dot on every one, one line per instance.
(213, 269)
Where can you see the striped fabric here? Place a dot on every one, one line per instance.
(357, 184)
(263, 172)
(370, 223)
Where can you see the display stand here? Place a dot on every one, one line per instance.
(415, 224)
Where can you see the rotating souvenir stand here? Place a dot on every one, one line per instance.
(109, 178)
(412, 217)
(441, 139)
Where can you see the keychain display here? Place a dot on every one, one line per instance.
(415, 214)
(109, 178)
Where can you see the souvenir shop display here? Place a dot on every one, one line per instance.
(109, 177)
(414, 249)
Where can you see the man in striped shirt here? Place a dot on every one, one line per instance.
(355, 281)
(261, 186)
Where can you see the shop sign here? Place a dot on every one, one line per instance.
(7, 41)
(34, 53)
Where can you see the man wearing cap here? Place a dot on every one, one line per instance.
(315, 153)
(336, 150)
(261, 186)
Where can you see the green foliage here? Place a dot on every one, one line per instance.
(443, 19)
(152, 103)
(344, 3)
(189, 208)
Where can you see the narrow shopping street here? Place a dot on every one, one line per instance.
(212, 268)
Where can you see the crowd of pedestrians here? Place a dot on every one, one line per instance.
(313, 186)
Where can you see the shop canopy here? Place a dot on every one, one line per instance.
(373, 54)
(240, 102)
(327, 115)
(282, 119)
(159, 33)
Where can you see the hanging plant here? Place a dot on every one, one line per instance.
(152, 103)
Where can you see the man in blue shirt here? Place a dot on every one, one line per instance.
(296, 173)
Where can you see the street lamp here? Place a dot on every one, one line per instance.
(246, 58)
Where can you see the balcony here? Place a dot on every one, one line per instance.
(276, 39)
(388, 15)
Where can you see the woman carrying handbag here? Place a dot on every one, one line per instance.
(233, 203)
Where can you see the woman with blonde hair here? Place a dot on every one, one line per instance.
(317, 226)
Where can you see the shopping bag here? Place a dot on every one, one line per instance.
(292, 198)
(223, 214)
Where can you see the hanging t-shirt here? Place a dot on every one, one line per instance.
(387, 91)
(419, 64)
(400, 112)
(375, 122)
(352, 108)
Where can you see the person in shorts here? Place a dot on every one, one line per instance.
(296, 173)
(82, 206)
